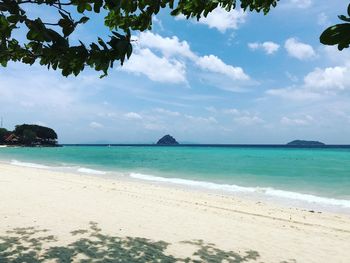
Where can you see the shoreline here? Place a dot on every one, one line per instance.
(284, 198)
(65, 202)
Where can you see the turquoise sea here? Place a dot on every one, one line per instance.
(317, 175)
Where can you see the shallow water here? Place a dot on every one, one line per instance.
(313, 175)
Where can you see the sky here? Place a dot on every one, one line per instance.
(233, 77)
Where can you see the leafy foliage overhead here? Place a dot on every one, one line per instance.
(338, 34)
(49, 41)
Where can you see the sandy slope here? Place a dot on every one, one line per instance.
(163, 223)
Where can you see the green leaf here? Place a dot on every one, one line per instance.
(83, 20)
(102, 43)
(28, 60)
(13, 19)
(81, 8)
(97, 6)
(88, 7)
(337, 35)
(67, 30)
(344, 18)
(129, 51)
(118, 35)
(94, 46)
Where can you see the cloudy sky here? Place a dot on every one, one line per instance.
(229, 78)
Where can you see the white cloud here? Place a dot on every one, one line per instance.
(232, 111)
(222, 20)
(335, 56)
(159, 69)
(299, 3)
(173, 47)
(158, 22)
(294, 93)
(201, 119)
(331, 79)
(298, 49)
(306, 120)
(248, 120)
(95, 125)
(211, 109)
(171, 67)
(254, 46)
(288, 121)
(269, 47)
(243, 117)
(214, 64)
(132, 116)
(317, 84)
(169, 46)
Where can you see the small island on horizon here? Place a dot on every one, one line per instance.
(167, 140)
(305, 143)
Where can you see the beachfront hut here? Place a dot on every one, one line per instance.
(12, 139)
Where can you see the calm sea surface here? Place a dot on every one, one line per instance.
(306, 173)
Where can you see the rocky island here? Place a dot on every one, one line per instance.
(167, 140)
(28, 135)
(305, 143)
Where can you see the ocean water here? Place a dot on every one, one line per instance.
(315, 176)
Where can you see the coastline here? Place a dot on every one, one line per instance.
(284, 198)
(65, 202)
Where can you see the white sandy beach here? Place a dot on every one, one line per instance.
(191, 224)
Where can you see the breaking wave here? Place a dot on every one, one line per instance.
(271, 192)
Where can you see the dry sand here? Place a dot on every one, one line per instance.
(59, 217)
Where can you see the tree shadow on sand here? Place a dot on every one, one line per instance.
(32, 245)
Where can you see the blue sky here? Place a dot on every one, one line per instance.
(231, 78)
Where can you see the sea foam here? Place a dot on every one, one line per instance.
(31, 165)
(90, 171)
(270, 192)
(40, 166)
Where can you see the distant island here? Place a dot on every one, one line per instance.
(167, 140)
(28, 135)
(305, 143)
